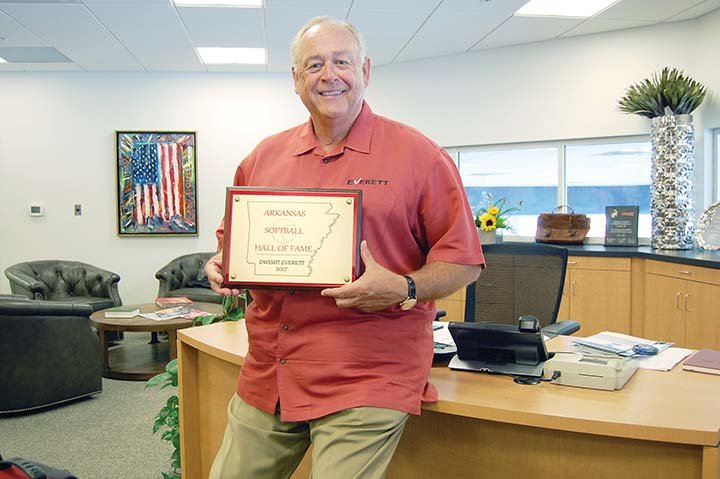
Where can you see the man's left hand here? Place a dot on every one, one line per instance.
(377, 289)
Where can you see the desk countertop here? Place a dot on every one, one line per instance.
(677, 406)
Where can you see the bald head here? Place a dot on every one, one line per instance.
(315, 23)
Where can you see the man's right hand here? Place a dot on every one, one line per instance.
(214, 272)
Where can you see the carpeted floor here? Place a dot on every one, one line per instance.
(106, 436)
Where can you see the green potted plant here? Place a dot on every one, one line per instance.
(668, 99)
(669, 93)
(168, 418)
(493, 216)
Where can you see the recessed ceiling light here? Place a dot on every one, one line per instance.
(245, 56)
(218, 3)
(564, 8)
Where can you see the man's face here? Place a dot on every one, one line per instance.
(329, 75)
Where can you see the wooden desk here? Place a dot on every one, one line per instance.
(660, 425)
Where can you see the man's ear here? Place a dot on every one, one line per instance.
(296, 78)
(366, 70)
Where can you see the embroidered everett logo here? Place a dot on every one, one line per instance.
(368, 181)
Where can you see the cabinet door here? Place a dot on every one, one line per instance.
(600, 300)
(664, 309)
(454, 306)
(702, 316)
(564, 311)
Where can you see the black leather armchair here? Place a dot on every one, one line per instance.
(185, 276)
(49, 354)
(66, 282)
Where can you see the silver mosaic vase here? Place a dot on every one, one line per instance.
(672, 190)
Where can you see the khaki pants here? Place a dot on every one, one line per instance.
(354, 443)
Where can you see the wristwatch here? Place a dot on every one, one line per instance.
(411, 299)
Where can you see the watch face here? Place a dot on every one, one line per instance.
(408, 304)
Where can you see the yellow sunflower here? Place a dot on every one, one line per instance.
(488, 222)
(494, 210)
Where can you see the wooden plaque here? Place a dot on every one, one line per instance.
(291, 238)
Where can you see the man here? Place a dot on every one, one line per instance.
(343, 367)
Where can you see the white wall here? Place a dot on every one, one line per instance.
(57, 129)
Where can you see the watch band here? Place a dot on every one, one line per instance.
(411, 299)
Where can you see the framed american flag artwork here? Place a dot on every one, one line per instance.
(156, 183)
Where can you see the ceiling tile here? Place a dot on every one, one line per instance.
(12, 34)
(74, 31)
(33, 55)
(156, 35)
(646, 10)
(236, 68)
(157, 38)
(595, 25)
(282, 24)
(311, 4)
(387, 30)
(395, 5)
(460, 24)
(519, 30)
(696, 11)
(224, 26)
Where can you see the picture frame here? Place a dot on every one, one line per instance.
(156, 183)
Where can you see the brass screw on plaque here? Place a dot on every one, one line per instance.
(346, 279)
(237, 199)
(348, 201)
(233, 276)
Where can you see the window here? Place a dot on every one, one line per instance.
(585, 174)
(528, 175)
(610, 174)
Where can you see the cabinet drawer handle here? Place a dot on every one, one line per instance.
(686, 302)
(682, 271)
(677, 300)
(572, 262)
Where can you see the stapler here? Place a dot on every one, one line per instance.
(590, 371)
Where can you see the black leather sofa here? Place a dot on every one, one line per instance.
(49, 354)
(65, 281)
(185, 276)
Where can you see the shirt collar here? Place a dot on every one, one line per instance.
(358, 138)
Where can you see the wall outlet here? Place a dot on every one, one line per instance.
(78, 210)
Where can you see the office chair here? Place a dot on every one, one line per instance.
(520, 279)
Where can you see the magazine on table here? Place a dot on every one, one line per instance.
(185, 312)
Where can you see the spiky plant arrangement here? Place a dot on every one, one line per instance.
(667, 93)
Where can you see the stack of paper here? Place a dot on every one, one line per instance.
(618, 344)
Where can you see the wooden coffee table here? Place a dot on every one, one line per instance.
(140, 362)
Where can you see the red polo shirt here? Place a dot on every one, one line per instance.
(314, 357)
